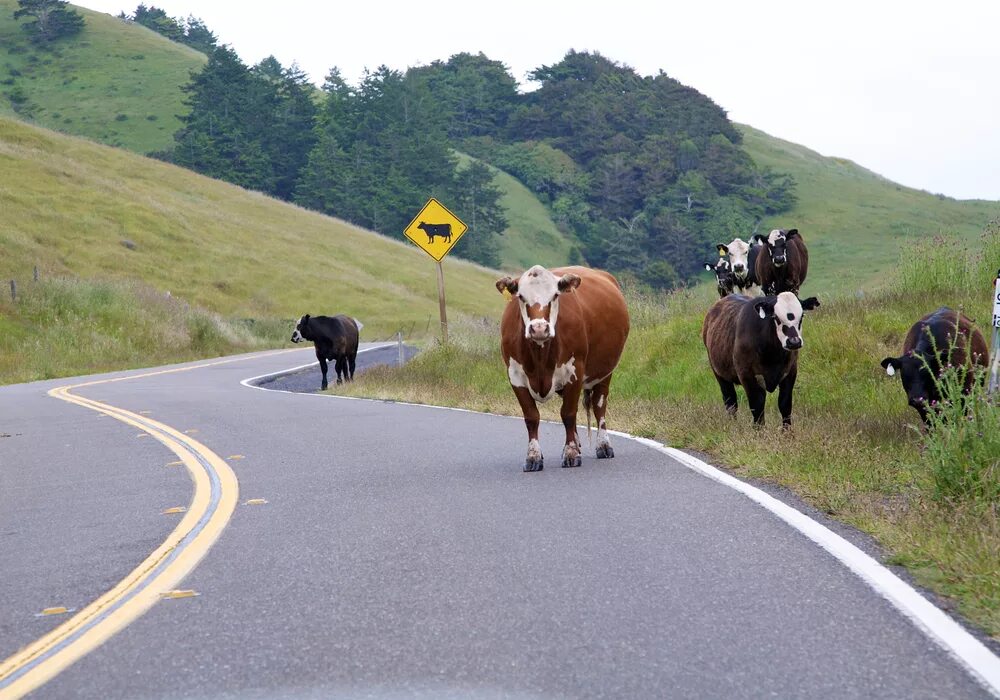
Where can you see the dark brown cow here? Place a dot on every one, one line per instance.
(755, 342)
(783, 261)
(931, 344)
(563, 332)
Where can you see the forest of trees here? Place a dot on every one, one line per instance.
(643, 173)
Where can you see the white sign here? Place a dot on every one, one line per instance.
(996, 304)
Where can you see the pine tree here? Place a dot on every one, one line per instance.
(50, 19)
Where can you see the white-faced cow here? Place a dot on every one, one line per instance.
(724, 279)
(755, 343)
(335, 338)
(743, 263)
(443, 230)
(942, 337)
(783, 261)
(563, 332)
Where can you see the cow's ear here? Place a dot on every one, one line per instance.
(305, 319)
(569, 282)
(759, 238)
(506, 284)
(722, 248)
(764, 308)
(710, 267)
(791, 233)
(809, 304)
(891, 365)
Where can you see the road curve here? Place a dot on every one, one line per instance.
(385, 550)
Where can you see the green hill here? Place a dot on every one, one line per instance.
(77, 209)
(856, 222)
(531, 237)
(117, 82)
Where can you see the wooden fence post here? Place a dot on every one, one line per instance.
(13, 290)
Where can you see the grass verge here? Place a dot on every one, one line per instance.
(856, 451)
(61, 327)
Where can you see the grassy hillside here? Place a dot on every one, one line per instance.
(74, 208)
(856, 222)
(531, 237)
(117, 82)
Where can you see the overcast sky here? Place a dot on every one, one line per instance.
(910, 90)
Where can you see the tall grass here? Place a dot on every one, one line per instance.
(65, 326)
(856, 449)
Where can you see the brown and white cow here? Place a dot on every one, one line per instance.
(563, 332)
(756, 343)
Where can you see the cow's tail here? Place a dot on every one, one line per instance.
(586, 409)
(359, 324)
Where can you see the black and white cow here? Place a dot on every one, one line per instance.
(443, 230)
(743, 263)
(335, 338)
(724, 279)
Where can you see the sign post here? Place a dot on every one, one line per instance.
(994, 385)
(435, 230)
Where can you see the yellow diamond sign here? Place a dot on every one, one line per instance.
(435, 229)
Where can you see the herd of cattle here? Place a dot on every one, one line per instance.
(563, 332)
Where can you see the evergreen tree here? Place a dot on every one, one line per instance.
(50, 20)
(220, 136)
(477, 201)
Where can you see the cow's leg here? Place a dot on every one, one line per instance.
(351, 359)
(756, 397)
(570, 404)
(728, 395)
(322, 368)
(341, 367)
(785, 398)
(599, 402)
(533, 462)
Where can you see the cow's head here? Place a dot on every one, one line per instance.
(777, 242)
(300, 329)
(723, 275)
(537, 293)
(918, 381)
(738, 252)
(786, 311)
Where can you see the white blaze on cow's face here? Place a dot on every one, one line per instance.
(538, 293)
(297, 334)
(788, 321)
(776, 241)
(785, 313)
(739, 251)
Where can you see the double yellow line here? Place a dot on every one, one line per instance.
(216, 492)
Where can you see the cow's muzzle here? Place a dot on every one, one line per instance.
(539, 330)
(779, 262)
(793, 343)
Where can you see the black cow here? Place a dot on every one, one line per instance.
(443, 230)
(724, 277)
(942, 337)
(335, 337)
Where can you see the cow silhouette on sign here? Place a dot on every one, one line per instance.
(443, 230)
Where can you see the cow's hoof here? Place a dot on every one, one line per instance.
(534, 465)
(572, 461)
(323, 387)
(605, 452)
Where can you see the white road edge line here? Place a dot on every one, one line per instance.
(981, 663)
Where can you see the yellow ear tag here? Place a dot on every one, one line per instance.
(507, 295)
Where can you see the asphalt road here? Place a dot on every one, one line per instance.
(403, 553)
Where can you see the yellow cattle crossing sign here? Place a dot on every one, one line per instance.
(435, 230)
